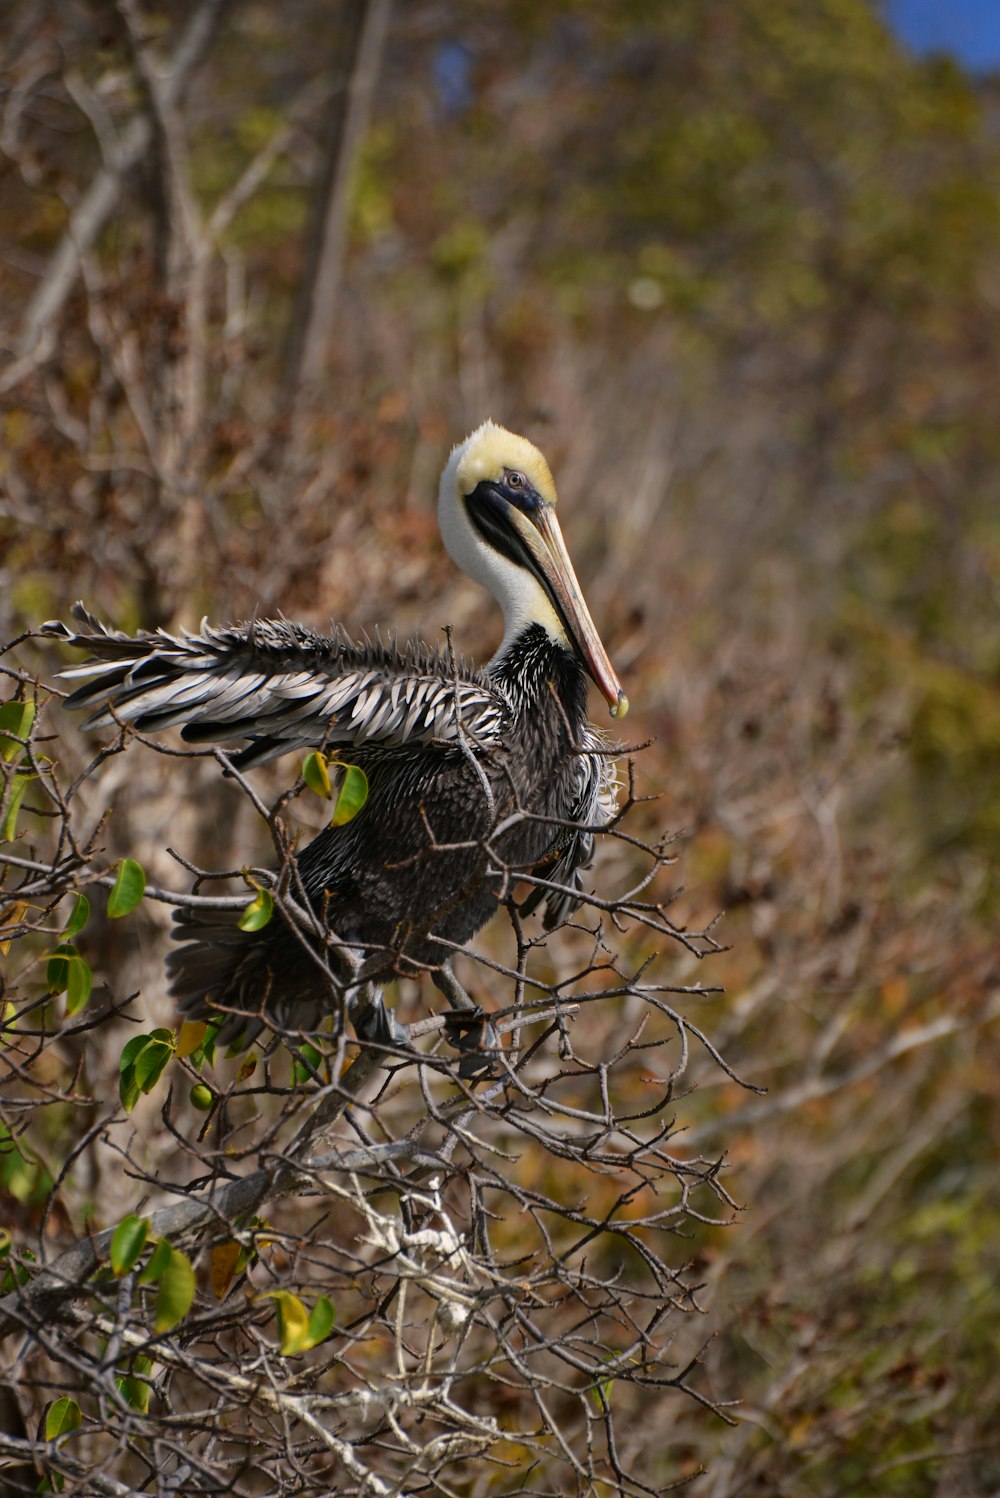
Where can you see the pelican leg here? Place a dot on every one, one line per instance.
(373, 1022)
(466, 1025)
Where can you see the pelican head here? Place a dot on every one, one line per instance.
(497, 512)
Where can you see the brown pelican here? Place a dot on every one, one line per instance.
(474, 776)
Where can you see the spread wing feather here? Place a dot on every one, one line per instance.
(280, 686)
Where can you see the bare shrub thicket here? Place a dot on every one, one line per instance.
(503, 1258)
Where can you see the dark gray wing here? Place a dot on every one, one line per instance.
(280, 686)
(595, 805)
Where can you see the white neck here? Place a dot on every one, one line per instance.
(519, 594)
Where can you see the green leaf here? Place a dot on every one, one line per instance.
(130, 1050)
(62, 1417)
(16, 718)
(127, 1242)
(321, 1319)
(128, 1092)
(205, 1054)
(158, 1262)
(128, 888)
(351, 797)
(67, 972)
(316, 775)
(79, 984)
(258, 912)
(305, 1064)
(18, 786)
(177, 1287)
(151, 1060)
(134, 1388)
(57, 967)
(78, 917)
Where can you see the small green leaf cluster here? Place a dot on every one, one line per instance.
(142, 1063)
(144, 1059)
(168, 1268)
(67, 970)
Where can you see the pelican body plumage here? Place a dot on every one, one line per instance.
(474, 777)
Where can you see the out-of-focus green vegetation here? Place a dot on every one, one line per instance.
(736, 267)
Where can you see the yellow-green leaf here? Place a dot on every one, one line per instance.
(316, 775)
(62, 1417)
(293, 1320)
(128, 888)
(351, 797)
(258, 912)
(190, 1036)
(16, 719)
(176, 1292)
(127, 1242)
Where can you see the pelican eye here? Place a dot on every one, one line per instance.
(520, 491)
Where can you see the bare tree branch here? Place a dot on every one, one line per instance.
(101, 198)
(350, 111)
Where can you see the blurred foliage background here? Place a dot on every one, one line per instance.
(736, 268)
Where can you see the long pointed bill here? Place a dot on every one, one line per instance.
(544, 542)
